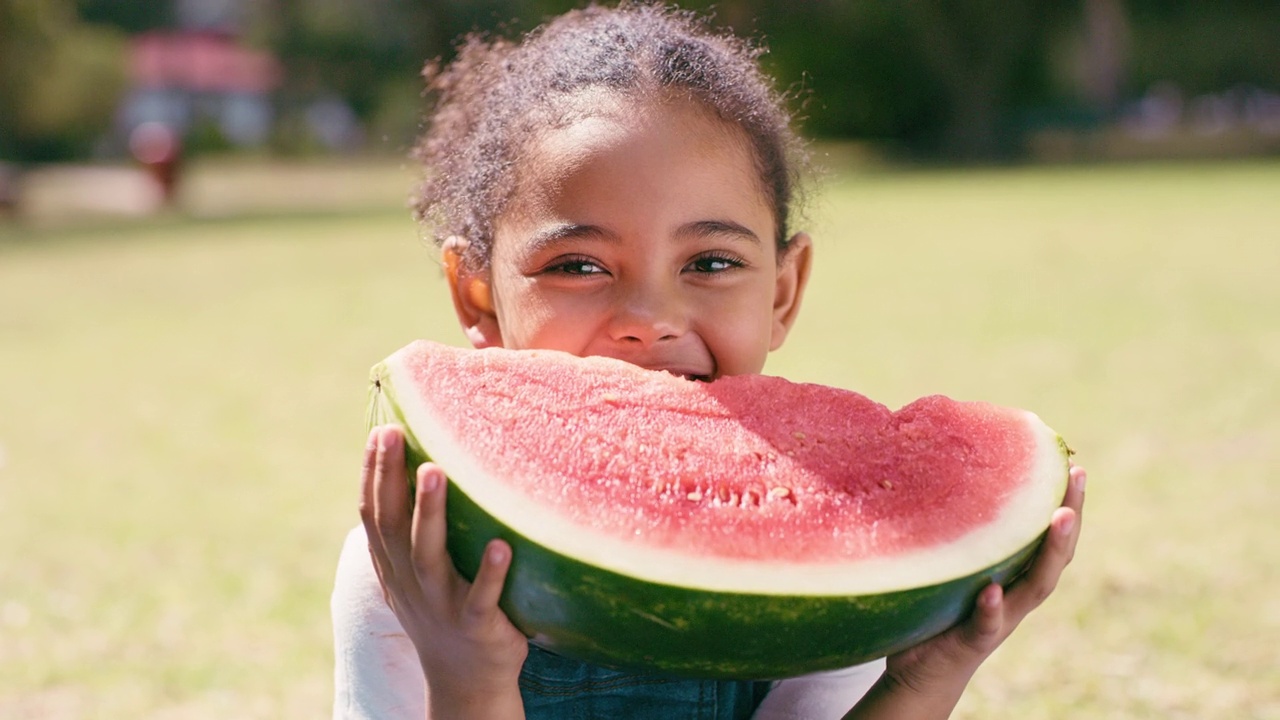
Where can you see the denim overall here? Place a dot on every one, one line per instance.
(557, 688)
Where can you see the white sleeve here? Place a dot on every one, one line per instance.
(820, 696)
(377, 675)
(376, 672)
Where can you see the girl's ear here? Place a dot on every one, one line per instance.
(793, 275)
(472, 295)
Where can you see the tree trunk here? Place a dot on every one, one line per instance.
(1106, 51)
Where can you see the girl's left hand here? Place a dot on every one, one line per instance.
(944, 664)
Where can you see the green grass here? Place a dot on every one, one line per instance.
(181, 409)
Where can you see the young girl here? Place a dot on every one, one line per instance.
(617, 184)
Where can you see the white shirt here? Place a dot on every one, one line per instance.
(377, 675)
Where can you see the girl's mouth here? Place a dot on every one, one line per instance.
(696, 377)
(695, 371)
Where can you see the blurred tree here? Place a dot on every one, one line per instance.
(1106, 42)
(931, 76)
(369, 52)
(60, 80)
(988, 56)
(1205, 47)
(132, 17)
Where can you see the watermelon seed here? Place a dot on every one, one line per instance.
(779, 492)
(886, 484)
(798, 435)
(694, 496)
(609, 398)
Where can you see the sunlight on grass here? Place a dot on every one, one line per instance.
(182, 406)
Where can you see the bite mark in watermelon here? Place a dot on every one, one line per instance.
(746, 528)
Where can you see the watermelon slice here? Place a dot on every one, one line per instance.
(749, 527)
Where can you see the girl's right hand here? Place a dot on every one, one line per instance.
(470, 652)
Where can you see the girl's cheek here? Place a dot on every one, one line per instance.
(563, 326)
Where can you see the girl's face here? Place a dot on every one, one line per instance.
(642, 234)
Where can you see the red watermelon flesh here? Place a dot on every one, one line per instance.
(750, 469)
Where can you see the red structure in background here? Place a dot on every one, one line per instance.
(202, 62)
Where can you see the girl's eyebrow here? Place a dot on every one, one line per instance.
(707, 228)
(561, 232)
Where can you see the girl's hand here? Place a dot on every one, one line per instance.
(940, 667)
(470, 652)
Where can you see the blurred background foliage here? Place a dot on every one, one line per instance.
(60, 79)
(954, 79)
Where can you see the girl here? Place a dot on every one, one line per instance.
(617, 184)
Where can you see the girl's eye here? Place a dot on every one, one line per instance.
(714, 263)
(575, 266)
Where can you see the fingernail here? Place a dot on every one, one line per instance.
(430, 481)
(990, 598)
(497, 553)
(372, 442)
(390, 440)
(1079, 481)
(1067, 526)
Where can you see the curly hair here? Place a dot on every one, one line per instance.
(497, 95)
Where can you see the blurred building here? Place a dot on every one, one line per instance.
(201, 82)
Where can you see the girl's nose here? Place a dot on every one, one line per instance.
(648, 316)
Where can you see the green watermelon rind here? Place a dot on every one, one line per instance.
(601, 616)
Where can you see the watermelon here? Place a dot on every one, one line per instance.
(748, 528)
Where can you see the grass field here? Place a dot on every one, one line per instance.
(181, 409)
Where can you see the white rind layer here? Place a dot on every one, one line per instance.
(1023, 519)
